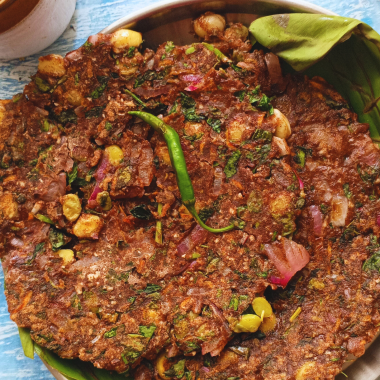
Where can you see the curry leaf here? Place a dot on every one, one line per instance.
(141, 212)
(230, 168)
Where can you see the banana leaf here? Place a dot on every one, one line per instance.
(75, 369)
(26, 342)
(343, 51)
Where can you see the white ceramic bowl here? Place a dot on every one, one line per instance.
(38, 30)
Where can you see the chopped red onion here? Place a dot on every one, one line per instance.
(191, 78)
(16, 242)
(99, 175)
(197, 236)
(317, 219)
(288, 257)
(378, 220)
(205, 369)
(191, 88)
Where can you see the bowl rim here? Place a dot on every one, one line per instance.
(305, 6)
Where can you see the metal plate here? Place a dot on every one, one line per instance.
(171, 21)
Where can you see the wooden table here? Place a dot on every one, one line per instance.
(90, 17)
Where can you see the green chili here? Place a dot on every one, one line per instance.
(178, 161)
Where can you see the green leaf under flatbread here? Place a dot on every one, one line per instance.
(26, 342)
(343, 51)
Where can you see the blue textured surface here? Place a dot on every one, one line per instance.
(90, 17)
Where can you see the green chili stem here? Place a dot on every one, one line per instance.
(135, 97)
(178, 161)
(217, 52)
(158, 237)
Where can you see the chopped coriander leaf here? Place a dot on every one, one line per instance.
(177, 370)
(72, 176)
(215, 124)
(17, 97)
(111, 333)
(300, 158)
(347, 192)
(88, 46)
(43, 218)
(150, 288)
(131, 52)
(188, 108)
(65, 117)
(38, 248)
(265, 105)
(57, 239)
(169, 47)
(76, 79)
(147, 331)
(206, 213)
(240, 95)
(108, 126)
(103, 80)
(94, 112)
(141, 212)
(261, 134)
(230, 169)
(42, 85)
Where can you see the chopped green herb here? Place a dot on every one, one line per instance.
(274, 236)
(103, 80)
(177, 370)
(141, 212)
(206, 213)
(94, 112)
(131, 52)
(76, 78)
(147, 331)
(108, 126)
(190, 50)
(261, 134)
(39, 248)
(324, 208)
(169, 47)
(57, 239)
(65, 117)
(300, 158)
(215, 124)
(150, 288)
(240, 95)
(42, 85)
(300, 203)
(88, 46)
(173, 109)
(231, 166)
(111, 333)
(43, 218)
(17, 97)
(72, 176)
(45, 126)
(347, 192)
(188, 108)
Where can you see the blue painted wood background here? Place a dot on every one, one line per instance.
(90, 17)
